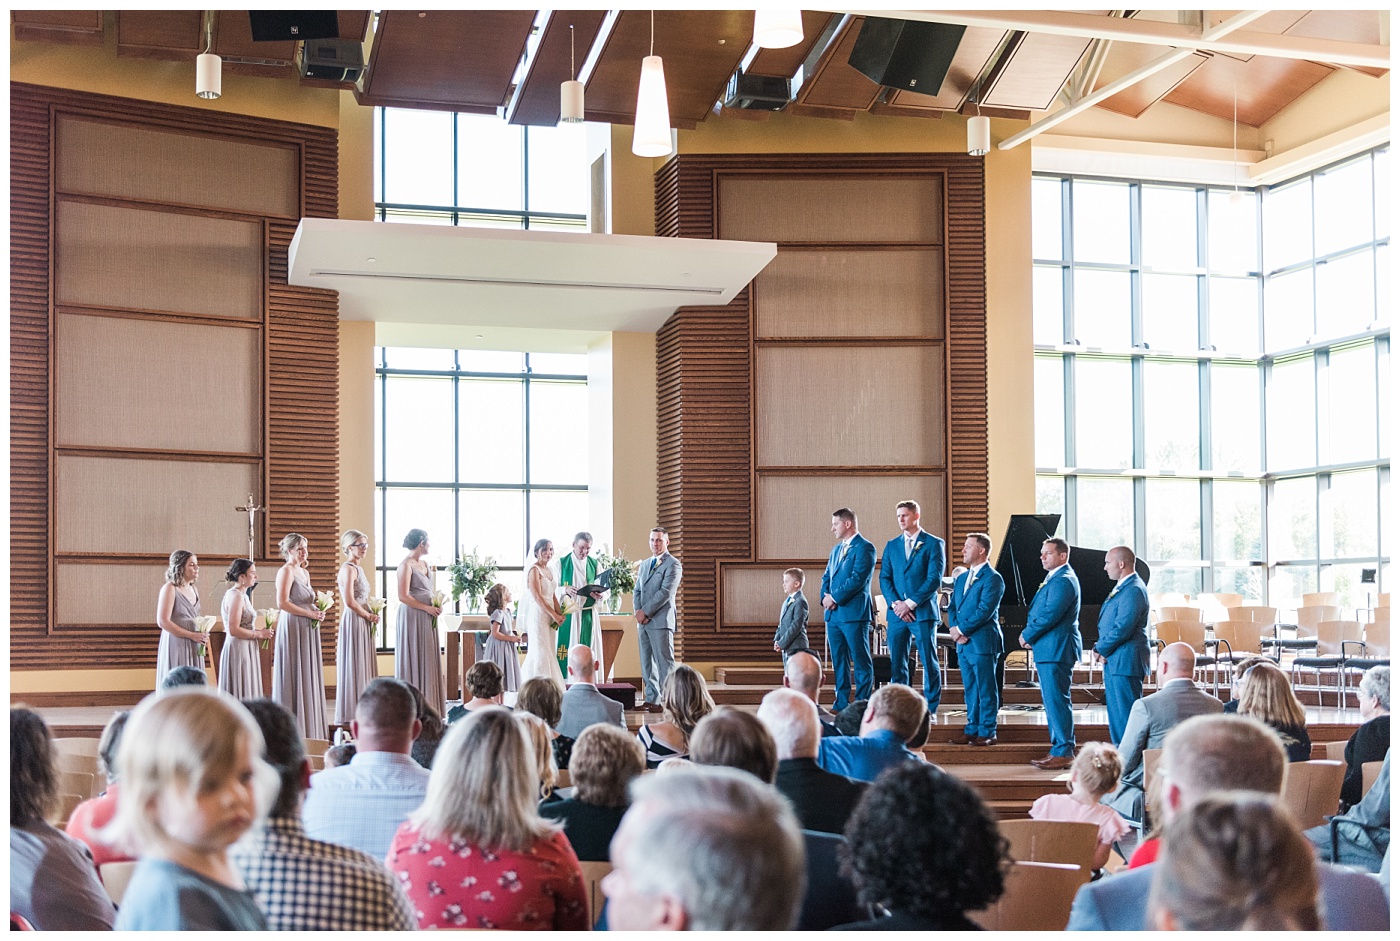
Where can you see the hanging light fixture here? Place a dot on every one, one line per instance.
(777, 29)
(979, 127)
(1237, 199)
(571, 92)
(208, 72)
(651, 134)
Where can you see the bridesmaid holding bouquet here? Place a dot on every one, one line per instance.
(355, 660)
(297, 682)
(240, 668)
(418, 656)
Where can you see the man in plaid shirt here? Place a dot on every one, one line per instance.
(303, 884)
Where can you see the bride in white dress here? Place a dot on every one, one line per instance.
(540, 616)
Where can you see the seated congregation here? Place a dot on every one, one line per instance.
(710, 818)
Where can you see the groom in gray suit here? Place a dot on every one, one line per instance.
(654, 601)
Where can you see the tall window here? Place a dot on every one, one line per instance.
(468, 169)
(1212, 377)
(484, 450)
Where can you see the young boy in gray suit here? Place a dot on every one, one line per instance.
(792, 619)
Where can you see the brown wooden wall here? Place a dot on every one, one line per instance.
(709, 470)
(290, 411)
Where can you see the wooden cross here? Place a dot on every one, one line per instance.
(252, 510)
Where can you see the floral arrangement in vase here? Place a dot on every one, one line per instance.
(472, 575)
(623, 574)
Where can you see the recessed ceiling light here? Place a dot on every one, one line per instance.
(481, 336)
(370, 260)
(721, 42)
(421, 15)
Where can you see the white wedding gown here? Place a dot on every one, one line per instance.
(541, 660)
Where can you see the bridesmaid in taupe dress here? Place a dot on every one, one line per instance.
(240, 667)
(176, 608)
(418, 657)
(355, 662)
(296, 661)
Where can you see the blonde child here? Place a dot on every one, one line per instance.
(193, 782)
(1093, 775)
(502, 645)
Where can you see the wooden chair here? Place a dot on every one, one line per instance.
(1151, 757)
(1369, 772)
(1336, 751)
(593, 874)
(318, 762)
(1192, 633)
(76, 782)
(1232, 641)
(1052, 841)
(83, 764)
(1311, 790)
(76, 746)
(1333, 598)
(115, 877)
(1373, 651)
(1383, 600)
(64, 805)
(1181, 614)
(317, 746)
(1305, 625)
(1331, 644)
(1160, 599)
(561, 778)
(1038, 897)
(1258, 613)
(1222, 599)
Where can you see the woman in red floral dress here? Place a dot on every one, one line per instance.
(477, 854)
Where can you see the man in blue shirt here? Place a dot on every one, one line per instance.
(891, 718)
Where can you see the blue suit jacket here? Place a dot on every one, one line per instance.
(974, 611)
(849, 582)
(1351, 901)
(1123, 629)
(914, 579)
(1052, 624)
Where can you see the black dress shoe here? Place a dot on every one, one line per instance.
(963, 739)
(987, 740)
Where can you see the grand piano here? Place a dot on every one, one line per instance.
(1018, 563)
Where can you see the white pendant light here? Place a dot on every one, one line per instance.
(979, 128)
(651, 134)
(208, 68)
(571, 92)
(777, 29)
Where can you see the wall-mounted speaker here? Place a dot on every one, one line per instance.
(908, 54)
(284, 25)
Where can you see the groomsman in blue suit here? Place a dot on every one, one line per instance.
(911, 569)
(849, 607)
(972, 620)
(1051, 634)
(1122, 646)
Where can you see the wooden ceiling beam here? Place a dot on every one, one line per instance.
(1157, 33)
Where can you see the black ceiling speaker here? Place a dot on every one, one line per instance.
(282, 25)
(908, 54)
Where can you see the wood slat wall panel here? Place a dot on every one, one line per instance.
(301, 401)
(705, 447)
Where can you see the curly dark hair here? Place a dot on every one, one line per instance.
(921, 841)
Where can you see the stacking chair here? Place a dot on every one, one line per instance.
(1331, 643)
(317, 746)
(1374, 651)
(1336, 751)
(1311, 598)
(1370, 770)
(1038, 897)
(76, 782)
(1151, 757)
(1239, 639)
(593, 873)
(1181, 614)
(84, 765)
(1224, 599)
(1383, 600)
(1187, 632)
(1311, 791)
(1052, 841)
(76, 746)
(64, 807)
(1258, 613)
(1160, 599)
(1306, 621)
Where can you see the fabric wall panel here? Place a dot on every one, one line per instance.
(100, 158)
(125, 383)
(794, 513)
(850, 293)
(801, 208)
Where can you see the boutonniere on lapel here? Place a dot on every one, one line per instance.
(918, 544)
(1113, 592)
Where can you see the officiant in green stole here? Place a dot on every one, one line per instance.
(577, 569)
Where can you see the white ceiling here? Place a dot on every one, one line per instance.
(392, 272)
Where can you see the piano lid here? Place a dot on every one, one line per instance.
(1018, 561)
